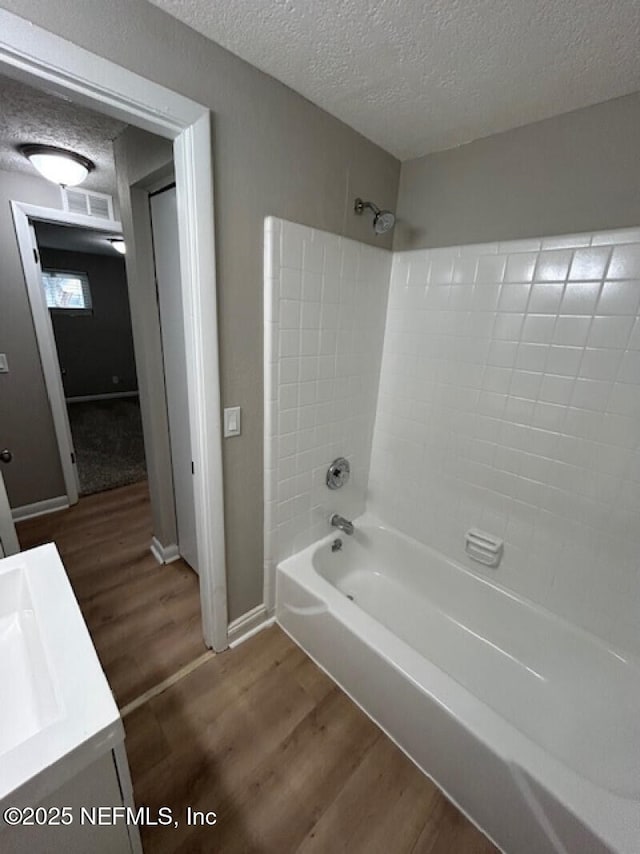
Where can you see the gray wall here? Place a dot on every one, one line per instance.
(575, 172)
(274, 153)
(92, 348)
(26, 425)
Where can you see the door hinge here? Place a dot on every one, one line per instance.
(35, 256)
(73, 458)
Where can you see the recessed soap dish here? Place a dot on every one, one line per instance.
(483, 547)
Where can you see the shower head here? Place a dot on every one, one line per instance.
(383, 221)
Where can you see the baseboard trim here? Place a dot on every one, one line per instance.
(248, 625)
(87, 398)
(164, 554)
(39, 508)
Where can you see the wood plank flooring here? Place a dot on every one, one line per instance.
(144, 618)
(263, 738)
(258, 734)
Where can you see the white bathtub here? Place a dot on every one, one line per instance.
(530, 725)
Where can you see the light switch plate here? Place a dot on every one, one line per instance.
(231, 421)
(4, 365)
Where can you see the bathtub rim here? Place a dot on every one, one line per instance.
(606, 814)
(369, 520)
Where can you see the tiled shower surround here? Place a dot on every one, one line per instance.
(325, 308)
(509, 400)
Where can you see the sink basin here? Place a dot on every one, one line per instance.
(57, 713)
(31, 704)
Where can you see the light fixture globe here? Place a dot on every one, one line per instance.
(58, 165)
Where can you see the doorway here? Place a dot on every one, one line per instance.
(77, 75)
(84, 278)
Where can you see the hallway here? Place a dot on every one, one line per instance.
(144, 618)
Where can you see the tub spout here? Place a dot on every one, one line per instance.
(342, 524)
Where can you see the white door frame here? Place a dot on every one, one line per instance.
(23, 215)
(8, 538)
(41, 59)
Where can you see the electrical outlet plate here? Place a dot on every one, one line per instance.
(4, 365)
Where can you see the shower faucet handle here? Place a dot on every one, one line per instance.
(338, 473)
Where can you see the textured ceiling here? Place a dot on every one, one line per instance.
(422, 75)
(51, 236)
(29, 115)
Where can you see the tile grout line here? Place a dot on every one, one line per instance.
(166, 683)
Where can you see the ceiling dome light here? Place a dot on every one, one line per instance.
(55, 164)
(118, 244)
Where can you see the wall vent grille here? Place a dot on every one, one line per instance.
(87, 203)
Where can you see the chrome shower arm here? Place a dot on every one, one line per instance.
(360, 205)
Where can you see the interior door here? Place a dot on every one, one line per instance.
(53, 378)
(164, 226)
(8, 539)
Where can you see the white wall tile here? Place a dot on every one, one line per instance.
(509, 398)
(580, 297)
(620, 235)
(566, 241)
(590, 264)
(514, 297)
(539, 328)
(571, 330)
(545, 297)
(491, 268)
(553, 266)
(564, 360)
(625, 262)
(289, 317)
(599, 364)
(629, 367)
(330, 300)
(530, 356)
(540, 442)
(619, 298)
(610, 332)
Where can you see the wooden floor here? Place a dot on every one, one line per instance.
(288, 763)
(258, 735)
(144, 618)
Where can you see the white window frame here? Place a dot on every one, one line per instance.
(39, 58)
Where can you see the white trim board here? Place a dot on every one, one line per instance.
(35, 56)
(87, 398)
(44, 60)
(164, 554)
(248, 625)
(39, 508)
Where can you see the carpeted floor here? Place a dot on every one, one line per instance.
(107, 435)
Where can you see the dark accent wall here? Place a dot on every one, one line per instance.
(95, 347)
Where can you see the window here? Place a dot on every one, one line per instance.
(67, 291)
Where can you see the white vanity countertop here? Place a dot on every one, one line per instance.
(57, 713)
